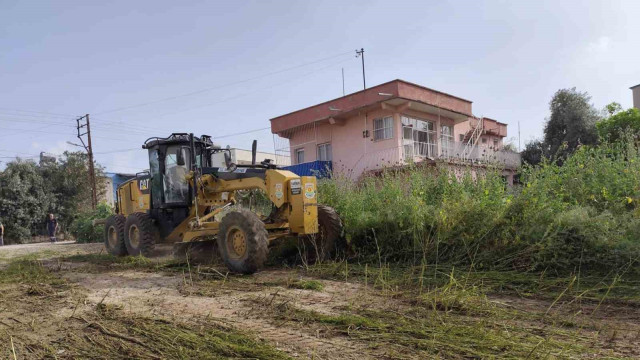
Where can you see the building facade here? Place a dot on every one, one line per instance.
(635, 90)
(390, 125)
(112, 181)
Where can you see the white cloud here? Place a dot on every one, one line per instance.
(600, 45)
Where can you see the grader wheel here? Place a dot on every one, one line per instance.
(323, 244)
(114, 235)
(242, 241)
(140, 234)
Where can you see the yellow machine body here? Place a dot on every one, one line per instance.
(133, 196)
(293, 196)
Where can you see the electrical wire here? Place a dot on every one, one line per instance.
(253, 92)
(221, 86)
(240, 133)
(112, 126)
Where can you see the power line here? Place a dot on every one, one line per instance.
(222, 86)
(241, 133)
(253, 92)
(31, 121)
(31, 130)
(38, 112)
(117, 151)
(48, 119)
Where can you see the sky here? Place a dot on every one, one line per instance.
(150, 68)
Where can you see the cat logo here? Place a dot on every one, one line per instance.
(144, 184)
(309, 190)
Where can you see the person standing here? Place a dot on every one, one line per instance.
(1, 233)
(52, 227)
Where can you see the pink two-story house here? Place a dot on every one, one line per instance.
(392, 124)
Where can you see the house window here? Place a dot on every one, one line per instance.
(495, 144)
(324, 152)
(418, 137)
(484, 140)
(446, 140)
(299, 156)
(461, 137)
(383, 128)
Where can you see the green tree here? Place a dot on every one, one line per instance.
(613, 108)
(68, 181)
(28, 191)
(24, 200)
(533, 152)
(571, 123)
(620, 124)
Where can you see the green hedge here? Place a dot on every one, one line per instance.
(82, 228)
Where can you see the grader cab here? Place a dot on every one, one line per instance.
(182, 199)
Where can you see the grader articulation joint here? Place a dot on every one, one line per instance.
(183, 199)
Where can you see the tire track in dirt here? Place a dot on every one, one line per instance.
(158, 295)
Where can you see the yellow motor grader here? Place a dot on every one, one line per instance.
(182, 199)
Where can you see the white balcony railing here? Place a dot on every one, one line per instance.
(459, 151)
(417, 151)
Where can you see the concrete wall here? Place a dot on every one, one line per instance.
(354, 154)
(636, 97)
(348, 146)
(489, 137)
(459, 171)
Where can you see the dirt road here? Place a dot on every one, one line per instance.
(81, 304)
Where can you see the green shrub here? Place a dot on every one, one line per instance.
(581, 216)
(82, 228)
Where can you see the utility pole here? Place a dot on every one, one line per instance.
(360, 53)
(519, 149)
(342, 81)
(83, 122)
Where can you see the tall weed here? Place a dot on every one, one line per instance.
(581, 216)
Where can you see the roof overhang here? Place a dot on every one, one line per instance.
(397, 94)
(402, 104)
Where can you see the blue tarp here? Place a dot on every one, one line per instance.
(320, 169)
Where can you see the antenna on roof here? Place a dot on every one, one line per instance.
(360, 53)
(342, 81)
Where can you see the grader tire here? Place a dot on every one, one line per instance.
(140, 234)
(243, 241)
(324, 243)
(114, 235)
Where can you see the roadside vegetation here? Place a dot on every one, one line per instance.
(30, 190)
(575, 211)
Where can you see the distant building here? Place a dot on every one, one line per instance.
(636, 96)
(113, 180)
(243, 157)
(390, 125)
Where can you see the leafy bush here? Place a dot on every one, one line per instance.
(581, 216)
(620, 124)
(82, 228)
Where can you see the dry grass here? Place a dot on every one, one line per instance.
(382, 311)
